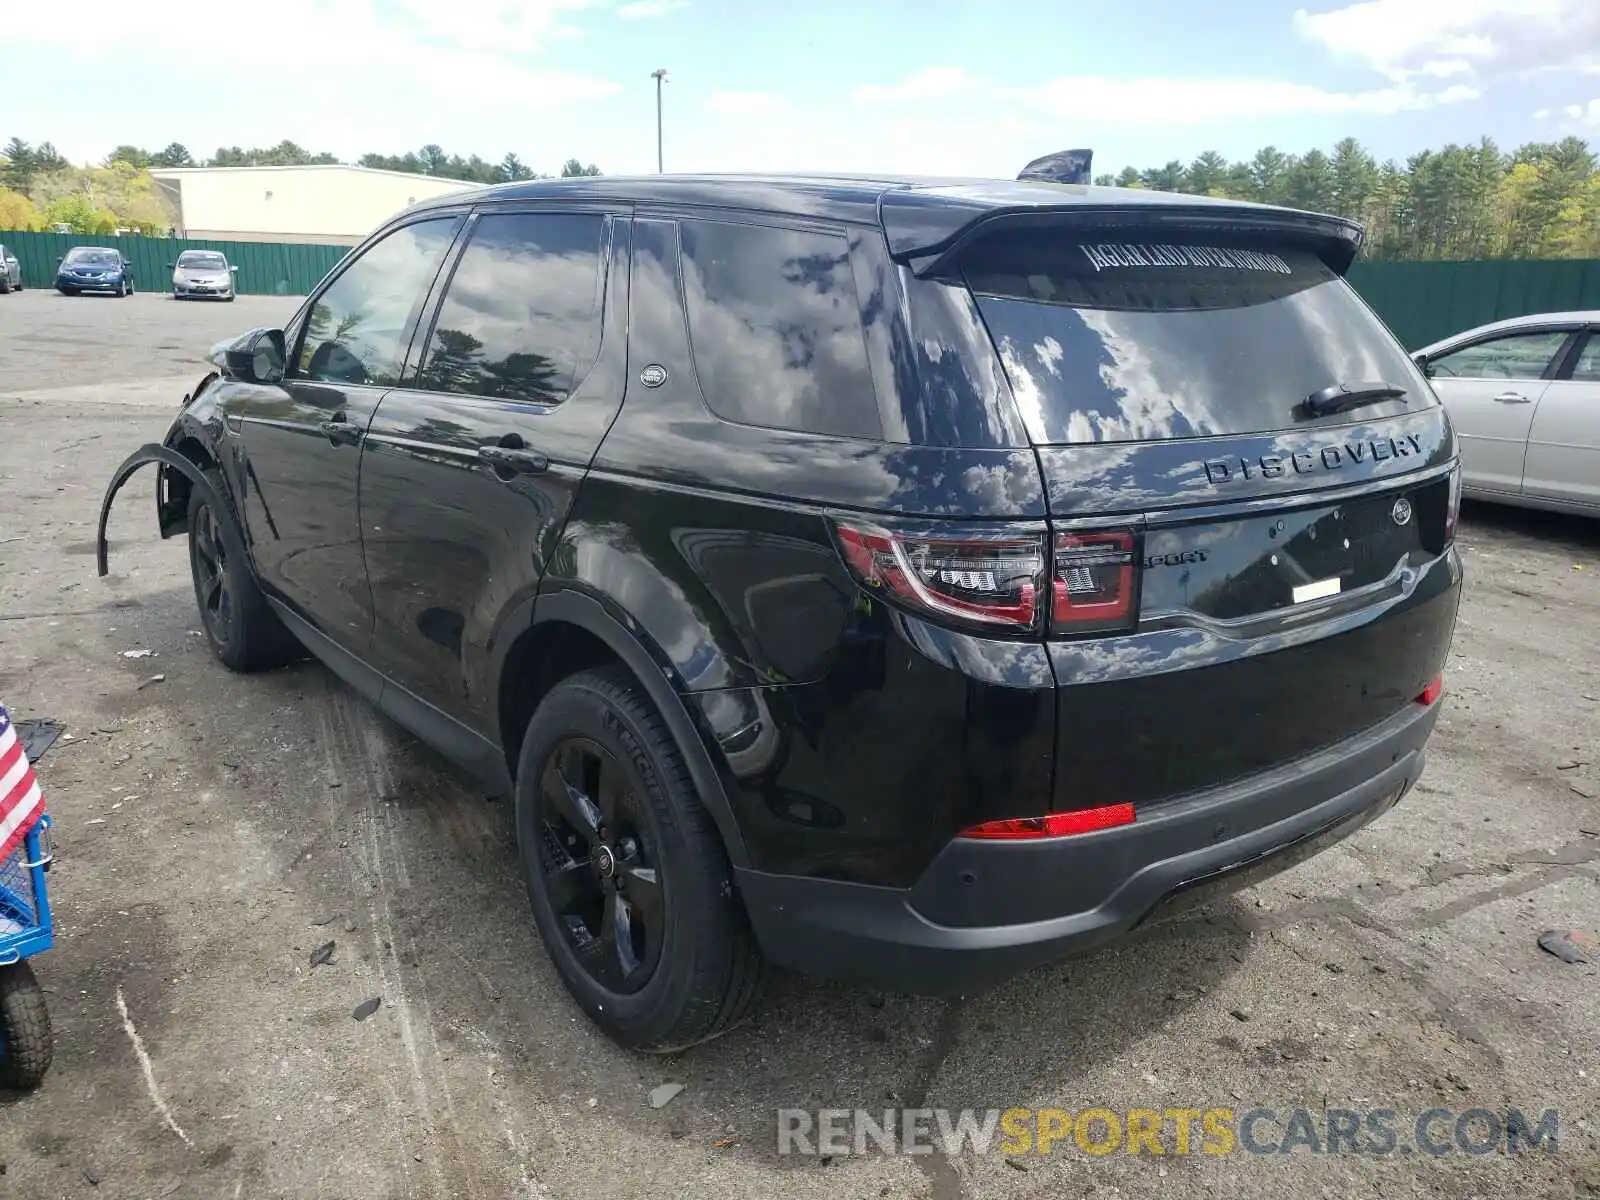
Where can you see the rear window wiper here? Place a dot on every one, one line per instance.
(1342, 396)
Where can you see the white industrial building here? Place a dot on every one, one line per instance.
(332, 205)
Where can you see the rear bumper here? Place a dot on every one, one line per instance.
(987, 910)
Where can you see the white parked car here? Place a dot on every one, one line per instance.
(1524, 396)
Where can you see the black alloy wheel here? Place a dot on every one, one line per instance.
(600, 866)
(213, 585)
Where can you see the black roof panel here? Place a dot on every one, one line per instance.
(920, 214)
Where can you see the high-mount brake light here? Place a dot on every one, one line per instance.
(993, 580)
(1094, 581)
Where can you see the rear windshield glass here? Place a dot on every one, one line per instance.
(1150, 341)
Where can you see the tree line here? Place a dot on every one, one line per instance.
(1541, 200)
(40, 188)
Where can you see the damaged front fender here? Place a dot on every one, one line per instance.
(170, 460)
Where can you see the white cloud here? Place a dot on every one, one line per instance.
(1584, 114)
(1405, 38)
(1165, 101)
(493, 26)
(743, 104)
(642, 9)
(1542, 114)
(928, 84)
(363, 76)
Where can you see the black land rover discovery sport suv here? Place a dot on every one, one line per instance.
(911, 580)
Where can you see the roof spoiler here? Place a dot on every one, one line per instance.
(1064, 166)
(928, 228)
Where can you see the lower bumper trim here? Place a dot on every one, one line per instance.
(878, 936)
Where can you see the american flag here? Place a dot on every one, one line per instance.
(21, 801)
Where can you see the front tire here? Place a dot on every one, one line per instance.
(5, 285)
(631, 889)
(26, 1042)
(244, 632)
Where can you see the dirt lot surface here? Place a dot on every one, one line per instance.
(214, 830)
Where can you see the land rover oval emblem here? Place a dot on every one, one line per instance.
(1401, 512)
(653, 376)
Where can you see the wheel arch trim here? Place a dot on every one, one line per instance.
(589, 613)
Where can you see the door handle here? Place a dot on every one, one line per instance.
(513, 460)
(1512, 398)
(341, 433)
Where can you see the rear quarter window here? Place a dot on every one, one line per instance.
(1153, 341)
(776, 327)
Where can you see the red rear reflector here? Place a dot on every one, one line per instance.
(1431, 693)
(1085, 820)
(1093, 583)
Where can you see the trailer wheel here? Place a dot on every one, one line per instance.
(26, 1043)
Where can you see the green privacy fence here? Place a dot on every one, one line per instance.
(1425, 301)
(267, 268)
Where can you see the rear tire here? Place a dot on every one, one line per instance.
(5, 285)
(26, 1042)
(244, 632)
(691, 969)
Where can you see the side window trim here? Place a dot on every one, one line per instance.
(422, 327)
(422, 335)
(1566, 360)
(302, 317)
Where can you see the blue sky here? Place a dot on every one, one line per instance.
(939, 86)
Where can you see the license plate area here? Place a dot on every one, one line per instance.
(1266, 562)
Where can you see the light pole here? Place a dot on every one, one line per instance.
(660, 76)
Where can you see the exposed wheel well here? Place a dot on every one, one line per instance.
(173, 501)
(541, 658)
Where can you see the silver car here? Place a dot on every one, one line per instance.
(10, 270)
(1524, 396)
(202, 273)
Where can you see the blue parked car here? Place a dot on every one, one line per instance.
(94, 269)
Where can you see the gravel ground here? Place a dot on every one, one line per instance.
(215, 830)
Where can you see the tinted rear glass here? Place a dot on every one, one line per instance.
(777, 328)
(1120, 343)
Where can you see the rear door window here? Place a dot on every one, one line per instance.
(1152, 341)
(1517, 356)
(521, 315)
(776, 327)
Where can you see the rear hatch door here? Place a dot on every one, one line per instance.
(1227, 415)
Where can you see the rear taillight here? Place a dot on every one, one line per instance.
(1430, 694)
(1452, 506)
(1084, 820)
(998, 577)
(989, 579)
(1094, 582)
